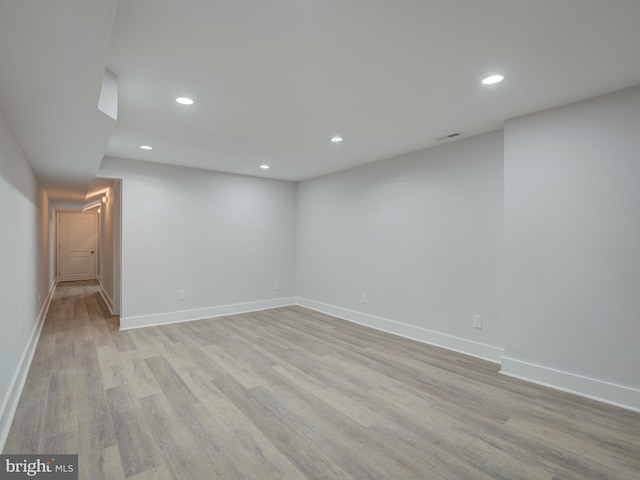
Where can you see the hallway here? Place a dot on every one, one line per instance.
(47, 417)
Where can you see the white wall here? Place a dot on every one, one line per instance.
(572, 247)
(24, 270)
(110, 248)
(420, 235)
(224, 239)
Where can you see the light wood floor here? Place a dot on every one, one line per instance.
(292, 394)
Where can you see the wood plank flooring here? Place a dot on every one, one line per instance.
(290, 393)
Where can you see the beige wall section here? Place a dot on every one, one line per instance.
(46, 246)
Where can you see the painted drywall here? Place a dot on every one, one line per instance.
(110, 248)
(116, 258)
(44, 241)
(222, 239)
(572, 247)
(25, 281)
(420, 235)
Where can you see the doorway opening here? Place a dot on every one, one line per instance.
(88, 242)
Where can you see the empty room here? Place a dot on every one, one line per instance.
(320, 239)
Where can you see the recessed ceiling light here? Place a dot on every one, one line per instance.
(146, 147)
(264, 166)
(336, 139)
(184, 101)
(490, 80)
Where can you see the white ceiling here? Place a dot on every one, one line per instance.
(52, 59)
(274, 80)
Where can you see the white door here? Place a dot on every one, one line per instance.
(77, 244)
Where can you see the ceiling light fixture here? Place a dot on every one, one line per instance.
(146, 147)
(264, 166)
(92, 205)
(492, 79)
(184, 101)
(336, 139)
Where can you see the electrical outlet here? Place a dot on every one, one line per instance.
(477, 321)
(276, 285)
(180, 294)
(363, 298)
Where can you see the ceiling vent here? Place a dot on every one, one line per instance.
(450, 136)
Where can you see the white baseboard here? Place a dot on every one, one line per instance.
(592, 388)
(12, 398)
(618, 395)
(457, 344)
(107, 299)
(127, 323)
